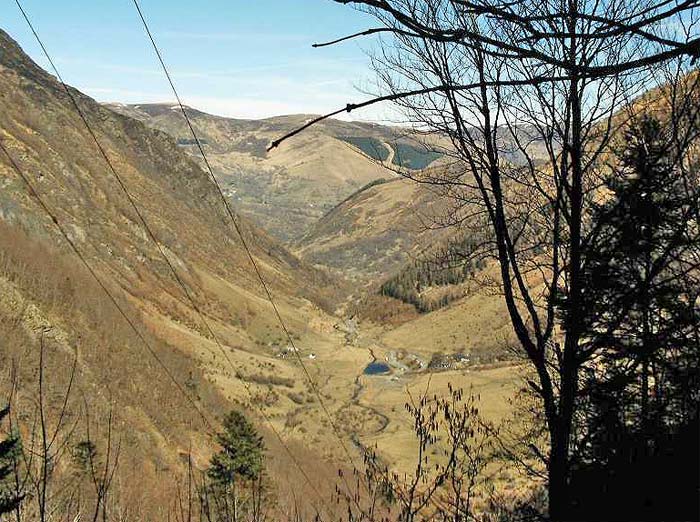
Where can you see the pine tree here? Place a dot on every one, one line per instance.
(641, 316)
(241, 454)
(638, 300)
(239, 486)
(9, 500)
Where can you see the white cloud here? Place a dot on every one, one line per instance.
(249, 107)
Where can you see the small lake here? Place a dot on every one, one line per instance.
(377, 368)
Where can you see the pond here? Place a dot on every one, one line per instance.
(377, 368)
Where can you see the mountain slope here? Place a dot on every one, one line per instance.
(374, 232)
(48, 298)
(286, 191)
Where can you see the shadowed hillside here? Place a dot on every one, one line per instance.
(374, 232)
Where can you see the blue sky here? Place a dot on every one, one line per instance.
(238, 58)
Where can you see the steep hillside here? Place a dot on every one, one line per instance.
(374, 232)
(380, 237)
(288, 190)
(47, 297)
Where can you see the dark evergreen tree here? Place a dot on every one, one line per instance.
(640, 316)
(238, 482)
(9, 500)
(241, 454)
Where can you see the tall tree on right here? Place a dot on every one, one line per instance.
(640, 315)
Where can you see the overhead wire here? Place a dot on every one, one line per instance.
(249, 254)
(235, 222)
(153, 238)
(239, 232)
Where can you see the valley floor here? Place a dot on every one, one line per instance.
(367, 410)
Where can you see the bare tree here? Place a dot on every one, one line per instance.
(50, 471)
(531, 95)
(101, 473)
(48, 444)
(448, 473)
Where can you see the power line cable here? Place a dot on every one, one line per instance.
(239, 232)
(175, 274)
(153, 238)
(244, 243)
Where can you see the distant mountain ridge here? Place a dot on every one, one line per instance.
(319, 192)
(287, 190)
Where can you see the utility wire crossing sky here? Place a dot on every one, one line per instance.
(236, 58)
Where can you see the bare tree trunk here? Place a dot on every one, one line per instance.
(44, 472)
(235, 502)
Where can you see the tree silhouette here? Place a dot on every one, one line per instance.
(552, 83)
(639, 315)
(8, 452)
